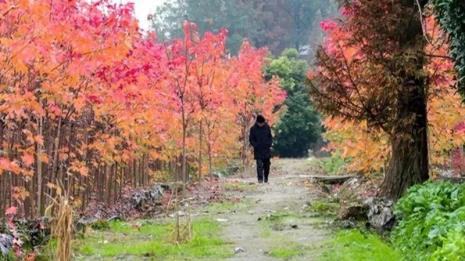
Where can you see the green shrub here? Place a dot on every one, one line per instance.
(324, 207)
(231, 168)
(453, 248)
(431, 221)
(100, 225)
(334, 165)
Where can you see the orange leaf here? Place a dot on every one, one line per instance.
(27, 159)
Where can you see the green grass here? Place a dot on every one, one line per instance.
(153, 240)
(276, 222)
(276, 227)
(227, 206)
(283, 220)
(287, 252)
(324, 207)
(349, 245)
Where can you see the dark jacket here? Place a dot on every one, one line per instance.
(260, 138)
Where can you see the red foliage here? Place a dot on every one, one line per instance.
(86, 97)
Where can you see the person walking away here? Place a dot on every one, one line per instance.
(261, 140)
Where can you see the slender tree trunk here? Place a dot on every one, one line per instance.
(200, 148)
(56, 150)
(243, 150)
(52, 176)
(120, 174)
(110, 182)
(245, 145)
(210, 159)
(39, 168)
(184, 152)
(3, 186)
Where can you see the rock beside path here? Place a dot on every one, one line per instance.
(380, 213)
(6, 244)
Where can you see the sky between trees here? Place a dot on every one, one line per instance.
(143, 8)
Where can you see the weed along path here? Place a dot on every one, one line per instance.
(276, 223)
(252, 222)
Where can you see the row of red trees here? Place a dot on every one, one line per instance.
(89, 103)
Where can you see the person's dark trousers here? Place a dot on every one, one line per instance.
(263, 169)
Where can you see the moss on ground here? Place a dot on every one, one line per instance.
(277, 227)
(152, 240)
(324, 207)
(227, 206)
(283, 220)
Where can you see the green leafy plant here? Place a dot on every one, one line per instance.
(453, 248)
(431, 221)
(334, 165)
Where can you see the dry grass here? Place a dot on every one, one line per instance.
(182, 231)
(62, 225)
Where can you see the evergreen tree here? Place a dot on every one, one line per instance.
(300, 126)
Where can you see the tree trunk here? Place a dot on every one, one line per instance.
(210, 160)
(200, 159)
(184, 150)
(244, 146)
(409, 138)
(409, 143)
(39, 168)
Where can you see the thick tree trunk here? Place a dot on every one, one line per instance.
(409, 143)
(409, 140)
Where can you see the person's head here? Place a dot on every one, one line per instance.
(261, 120)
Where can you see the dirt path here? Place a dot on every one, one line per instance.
(276, 223)
(262, 221)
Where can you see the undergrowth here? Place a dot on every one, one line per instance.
(350, 245)
(431, 222)
(149, 239)
(288, 251)
(324, 207)
(334, 165)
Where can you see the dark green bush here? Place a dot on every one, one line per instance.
(431, 222)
